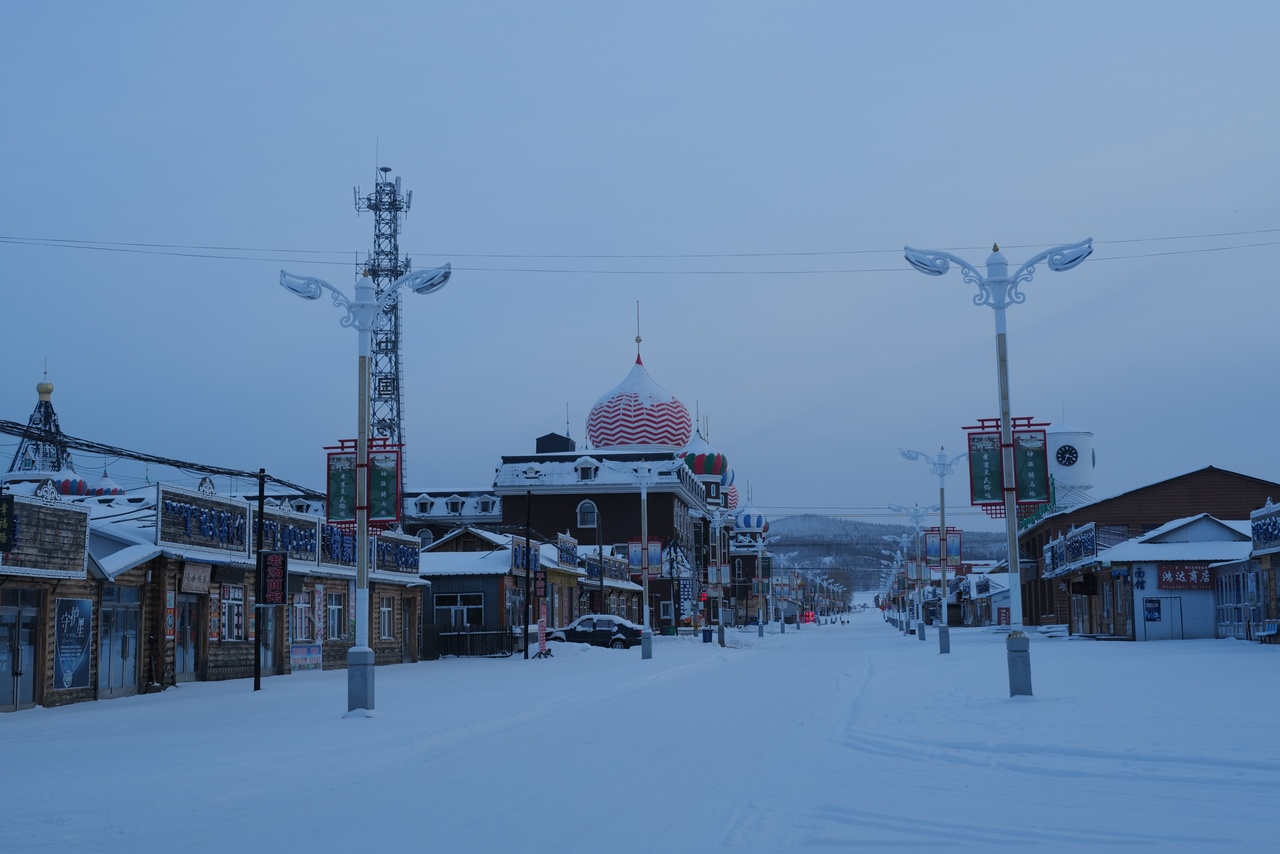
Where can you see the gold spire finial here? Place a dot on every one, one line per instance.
(995, 247)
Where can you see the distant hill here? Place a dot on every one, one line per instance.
(851, 552)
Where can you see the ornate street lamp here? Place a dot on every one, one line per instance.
(998, 290)
(940, 467)
(361, 314)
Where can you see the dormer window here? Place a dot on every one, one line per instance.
(530, 472)
(588, 515)
(486, 504)
(424, 506)
(454, 505)
(587, 471)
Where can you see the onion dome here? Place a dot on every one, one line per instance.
(704, 460)
(749, 520)
(731, 497)
(106, 486)
(69, 483)
(638, 411)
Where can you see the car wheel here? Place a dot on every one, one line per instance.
(618, 643)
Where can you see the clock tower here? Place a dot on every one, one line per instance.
(1071, 463)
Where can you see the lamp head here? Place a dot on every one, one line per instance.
(306, 287)
(1067, 257)
(427, 281)
(929, 264)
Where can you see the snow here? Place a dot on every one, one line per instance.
(830, 738)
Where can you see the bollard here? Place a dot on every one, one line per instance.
(944, 639)
(720, 633)
(1019, 650)
(920, 629)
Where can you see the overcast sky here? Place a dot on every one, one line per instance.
(793, 148)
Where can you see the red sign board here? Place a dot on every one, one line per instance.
(274, 567)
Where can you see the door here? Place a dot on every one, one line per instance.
(408, 630)
(268, 636)
(186, 644)
(118, 651)
(17, 658)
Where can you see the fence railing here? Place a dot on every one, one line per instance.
(471, 644)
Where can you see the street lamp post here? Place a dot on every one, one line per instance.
(645, 474)
(941, 467)
(760, 544)
(998, 290)
(361, 314)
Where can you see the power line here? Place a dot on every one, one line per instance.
(219, 253)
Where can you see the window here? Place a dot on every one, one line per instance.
(386, 617)
(454, 505)
(233, 612)
(424, 505)
(486, 504)
(425, 537)
(336, 621)
(587, 471)
(665, 610)
(456, 612)
(588, 516)
(303, 627)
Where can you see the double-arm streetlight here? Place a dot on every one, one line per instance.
(998, 290)
(645, 475)
(941, 466)
(361, 313)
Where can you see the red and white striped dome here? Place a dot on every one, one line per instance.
(638, 412)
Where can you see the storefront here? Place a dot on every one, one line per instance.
(47, 602)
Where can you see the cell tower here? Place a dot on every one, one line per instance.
(384, 266)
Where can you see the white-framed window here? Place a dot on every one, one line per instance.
(233, 612)
(424, 505)
(425, 537)
(587, 471)
(588, 515)
(486, 504)
(335, 616)
(386, 617)
(303, 618)
(454, 505)
(665, 608)
(456, 612)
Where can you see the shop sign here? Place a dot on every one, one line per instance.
(170, 616)
(195, 578)
(1081, 543)
(296, 534)
(274, 569)
(72, 640)
(397, 553)
(1031, 466)
(384, 486)
(986, 478)
(305, 656)
(202, 521)
(1265, 527)
(6, 523)
(524, 554)
(340, 501)
(47, 540)
(1183, 576)
(567, 551)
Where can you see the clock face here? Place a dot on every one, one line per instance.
(1067, 455)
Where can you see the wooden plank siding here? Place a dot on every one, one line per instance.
(1224, 494)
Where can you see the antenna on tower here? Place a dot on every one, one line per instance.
(638, 339)
(384, 265)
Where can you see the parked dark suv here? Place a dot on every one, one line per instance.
(599, 630)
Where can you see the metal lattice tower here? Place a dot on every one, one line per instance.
(384, 266)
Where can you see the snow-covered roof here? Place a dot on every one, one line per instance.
(433, 564)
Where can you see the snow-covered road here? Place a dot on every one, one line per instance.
(836, 737)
